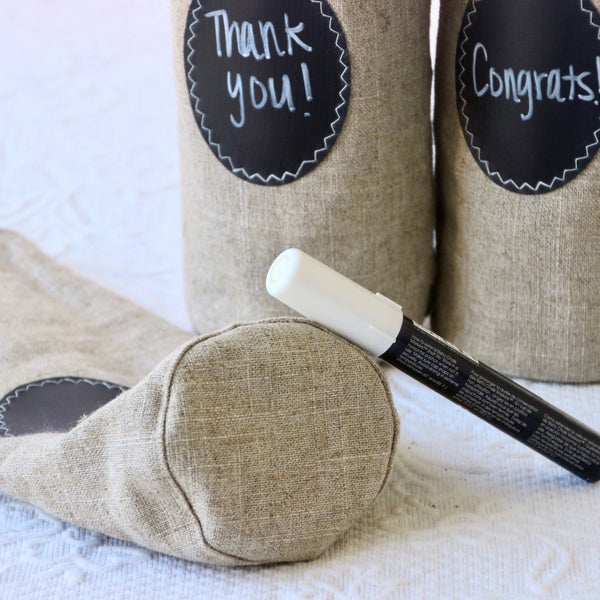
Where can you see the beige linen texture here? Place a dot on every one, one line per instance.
(261, 443)
(54, 323)
(519, 276)
(366, 210)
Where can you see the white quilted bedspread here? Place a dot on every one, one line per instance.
(88, 170)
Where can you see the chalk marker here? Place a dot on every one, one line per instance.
(379, 326)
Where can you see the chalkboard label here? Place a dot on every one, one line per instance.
(269, 84)
(53, 405)
(528, 90)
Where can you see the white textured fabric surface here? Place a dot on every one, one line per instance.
(88, 170)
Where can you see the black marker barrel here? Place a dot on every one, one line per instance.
(378, 325)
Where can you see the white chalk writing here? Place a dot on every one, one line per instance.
(528, 85)
(260, 41)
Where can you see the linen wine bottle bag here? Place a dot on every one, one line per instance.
(303, 123)
(260, 443)
(517, 123)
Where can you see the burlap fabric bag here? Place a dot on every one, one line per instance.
(519, 272)
(260, 443)
(366, 209)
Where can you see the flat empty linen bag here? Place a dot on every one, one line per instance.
(255, 444)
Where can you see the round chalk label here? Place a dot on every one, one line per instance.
(269, 84)
(528, 90)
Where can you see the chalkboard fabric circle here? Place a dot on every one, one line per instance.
(269, 84)
(528, 90)
(53, 405)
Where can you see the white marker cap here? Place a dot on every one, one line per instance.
(316, 291)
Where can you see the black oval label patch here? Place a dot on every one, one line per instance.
(528, 90)
(53, 405)
(269, 84)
